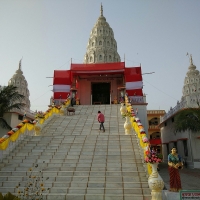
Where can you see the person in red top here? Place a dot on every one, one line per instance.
(101, 120)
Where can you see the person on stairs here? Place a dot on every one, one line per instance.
(101, 120)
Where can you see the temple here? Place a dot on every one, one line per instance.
(102, 78)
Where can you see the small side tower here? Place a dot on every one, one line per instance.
(20, 82)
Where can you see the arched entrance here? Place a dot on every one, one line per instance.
(100, 93)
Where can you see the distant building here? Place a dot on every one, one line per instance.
(153, 117)
(15, 116)
(187, 143)
(20, 82)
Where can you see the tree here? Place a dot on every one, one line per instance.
(187, 119)
(9, 99)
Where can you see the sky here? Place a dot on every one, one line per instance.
(47, 34)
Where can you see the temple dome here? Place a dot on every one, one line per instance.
(102, 46)
(20, 82)
(191, 88)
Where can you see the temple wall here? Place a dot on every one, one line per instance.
(84, 92)
(12, 120)
(168, 136)
(193, 144)
(142, 114)
(114, 91)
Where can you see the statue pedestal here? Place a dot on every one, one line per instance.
(156, 183)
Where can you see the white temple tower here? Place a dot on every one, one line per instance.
(102, 46)
(191, 88)
(20, 82)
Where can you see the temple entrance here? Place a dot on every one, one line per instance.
(100, 93)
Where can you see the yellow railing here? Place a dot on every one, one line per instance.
(144, 145)
(12, 135)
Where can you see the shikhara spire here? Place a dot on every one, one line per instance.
(19, 80)
(20, 63)
(101, 10)
(102, 46)
(191, 61)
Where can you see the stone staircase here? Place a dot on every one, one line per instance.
(81, 162)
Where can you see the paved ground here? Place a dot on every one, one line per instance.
(190, 178)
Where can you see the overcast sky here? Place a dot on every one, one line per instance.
(48, 33)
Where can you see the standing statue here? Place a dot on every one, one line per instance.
(175, 164)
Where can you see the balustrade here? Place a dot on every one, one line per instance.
(172, 111)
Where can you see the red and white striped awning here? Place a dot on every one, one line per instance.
(61, 83)
(134, 84)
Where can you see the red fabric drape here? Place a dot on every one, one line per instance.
(133, 70)
(64, 95)
(62, 77)
(133, 74)
(136, 92)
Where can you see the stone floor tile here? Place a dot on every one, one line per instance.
(58, 190)
(133, 197)
(94, 196)
(110, 179)
(96, 185)
(74, 197)
(56, 196)
(113, 197)
(76, 191)
(116, 185)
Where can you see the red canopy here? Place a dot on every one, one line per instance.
(95, 68)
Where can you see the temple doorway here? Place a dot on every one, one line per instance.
(100, 93)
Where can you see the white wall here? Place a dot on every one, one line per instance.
(193, 144)
(12, 120)
(142, 114)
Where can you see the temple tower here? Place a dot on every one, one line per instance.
(191, 88)
(20, 82)
(102, 46)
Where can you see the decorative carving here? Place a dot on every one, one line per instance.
(156, 183)
(127, 126)
(123, 109)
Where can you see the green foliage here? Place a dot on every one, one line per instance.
(9, 99)
(1, 196)
(187, 119)
(8, 196)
